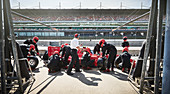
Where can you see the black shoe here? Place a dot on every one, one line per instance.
(78, 71)
(70, 73)
(103, 68)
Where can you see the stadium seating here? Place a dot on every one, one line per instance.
(82, 18)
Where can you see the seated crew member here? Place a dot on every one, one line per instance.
(125, 59)
(75, 59)
(54, 65)
(34, 42)
(125, 43)
(111, 50)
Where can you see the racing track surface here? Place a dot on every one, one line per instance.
(86, 82)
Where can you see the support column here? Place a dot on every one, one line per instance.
(158, 46)
(148, 40)
(166, 66)
(152, 51)
(2, 55)
(8, 26)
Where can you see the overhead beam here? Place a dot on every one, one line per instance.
(135, 19)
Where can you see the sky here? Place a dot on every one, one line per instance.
(75, 4)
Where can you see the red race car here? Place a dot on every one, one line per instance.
(94, 57)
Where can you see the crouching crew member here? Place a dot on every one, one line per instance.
(86, 62)
(111, 50)
(34, 42)
(75, 59)
(66, 52)
(54, 65)
(125, 59)
(125, 42)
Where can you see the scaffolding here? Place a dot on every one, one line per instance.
(9, 58)
(153, 49)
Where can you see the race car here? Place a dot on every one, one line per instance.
(97, 58)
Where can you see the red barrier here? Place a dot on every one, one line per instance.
(52, 49)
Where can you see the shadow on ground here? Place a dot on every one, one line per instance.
(92, 72)
(47, 81)
(119, 75)
(83, 79)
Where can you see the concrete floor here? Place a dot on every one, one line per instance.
(86, 82)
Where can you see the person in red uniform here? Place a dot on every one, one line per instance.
(31, 50)
(125, 42)
(125, 59)
(86, 62)
(66, 52)
(54, 65)
(61, 48)
(111, 50)
(34, 42)
(97, 49)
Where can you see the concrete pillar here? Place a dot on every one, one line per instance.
(166, 66)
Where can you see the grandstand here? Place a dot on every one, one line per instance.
(81, 14)
(95, 23)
